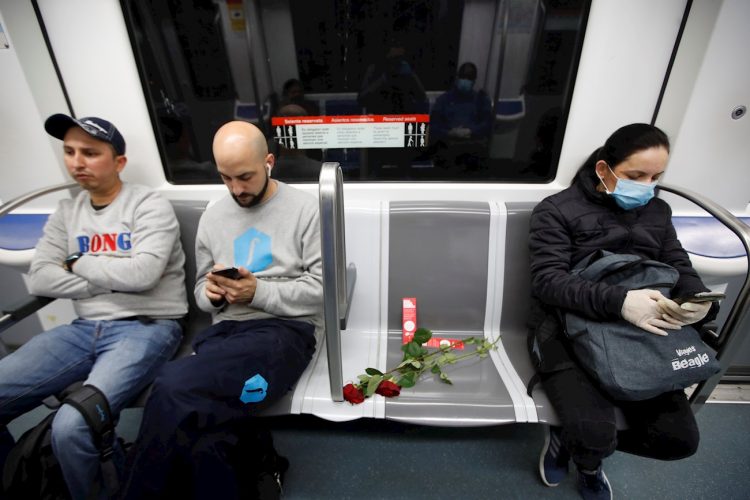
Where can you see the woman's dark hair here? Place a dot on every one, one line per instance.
(624, 142)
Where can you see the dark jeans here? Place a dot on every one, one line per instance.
(186, 437)
(663, 427)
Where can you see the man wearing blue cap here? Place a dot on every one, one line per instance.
(115, 251)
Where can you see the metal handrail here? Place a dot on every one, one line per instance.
(8, 207)
(338, 280)
(738, 319)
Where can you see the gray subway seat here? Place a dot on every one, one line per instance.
(188, 214)
(438, 253)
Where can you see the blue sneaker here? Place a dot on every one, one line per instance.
(594, 485)
(553, 462)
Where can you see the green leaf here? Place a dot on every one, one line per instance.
(408, 380)
(444, 378)
(414, 350)
(470, 340)
(363, 378)
(373, 384)
(403, 363)
(449, 357)
(373, 371)
(416, 364)
(422, 335)
(436, 369)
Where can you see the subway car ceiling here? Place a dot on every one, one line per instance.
(553, 79)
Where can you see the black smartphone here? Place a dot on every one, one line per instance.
(228, 272)
(701, 297)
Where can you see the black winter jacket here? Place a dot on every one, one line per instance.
(568, 226)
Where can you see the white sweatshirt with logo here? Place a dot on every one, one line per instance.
(279, 242)
(132, 263)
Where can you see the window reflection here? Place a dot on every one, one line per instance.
(472, 90)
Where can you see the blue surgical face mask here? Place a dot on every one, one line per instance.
(464, 84)
(630, 194)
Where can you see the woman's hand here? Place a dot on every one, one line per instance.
(683, 314)
(641, 308)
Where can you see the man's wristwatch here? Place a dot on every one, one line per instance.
(70, 260)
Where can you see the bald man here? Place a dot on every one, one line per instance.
(259, 275)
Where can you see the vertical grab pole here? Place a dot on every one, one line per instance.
(334, 272)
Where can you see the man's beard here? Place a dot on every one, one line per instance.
(255, 198)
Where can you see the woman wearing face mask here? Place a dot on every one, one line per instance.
(610, 206)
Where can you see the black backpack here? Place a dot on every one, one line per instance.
(31, 469)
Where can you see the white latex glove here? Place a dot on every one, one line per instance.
(641, 308)
(683, 314)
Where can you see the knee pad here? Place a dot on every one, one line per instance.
(85, 410)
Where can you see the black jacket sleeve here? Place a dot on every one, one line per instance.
(550, 248)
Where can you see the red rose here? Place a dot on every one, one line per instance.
(353, 394)
(388, 389)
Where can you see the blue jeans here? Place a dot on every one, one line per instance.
(120, 358)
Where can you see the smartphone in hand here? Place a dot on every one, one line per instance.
(701, 297)
(228, 272)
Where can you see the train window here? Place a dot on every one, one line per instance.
(471, 90)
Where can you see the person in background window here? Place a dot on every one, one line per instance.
(390, 85)
(293, 163)
(294, 93)
(461, 123)
(610, 206)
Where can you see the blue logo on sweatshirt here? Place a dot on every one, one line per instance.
(252, 250)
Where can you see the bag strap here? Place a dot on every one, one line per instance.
(535, 379)
(603, 262)
(94, 407)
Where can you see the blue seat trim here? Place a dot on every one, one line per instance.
(246, 111)
(21, 231)
(707, 237)
(509, 107)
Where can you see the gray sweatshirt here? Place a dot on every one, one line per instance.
(279, 242)
(132, 263)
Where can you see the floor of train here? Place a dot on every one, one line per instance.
(376, 459)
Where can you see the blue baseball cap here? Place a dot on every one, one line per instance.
(57, 125)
